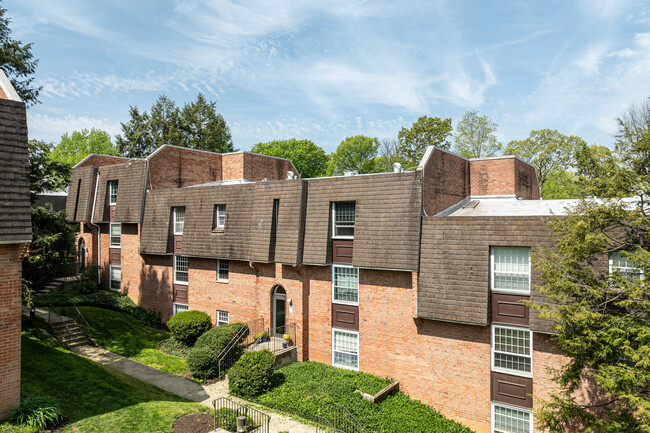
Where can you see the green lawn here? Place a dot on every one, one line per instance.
(127, 336)
(309, 388)
(94, 398)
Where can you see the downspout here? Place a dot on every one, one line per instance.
(99, 233)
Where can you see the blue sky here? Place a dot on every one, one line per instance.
(328, 69)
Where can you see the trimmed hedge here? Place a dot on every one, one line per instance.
(187, 326)
(252, 374)
(203, 358)
(203, 363)
(215, 336)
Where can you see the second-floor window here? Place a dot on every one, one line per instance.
(181, 268)
(219, 217)
(179, 220)
(222, 271)
(345, 284)
(512, 350)
(510, 269)
(116, 234)
(112, 191)
(343, 215)
(620, 265)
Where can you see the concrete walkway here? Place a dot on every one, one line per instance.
(192, 391)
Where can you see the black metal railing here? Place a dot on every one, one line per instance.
(283, 337)
(338, 420)
(226, 413)
(81, 321)
(51, 308)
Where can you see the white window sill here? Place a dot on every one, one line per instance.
(222, 281)
(115, 246)
(346, 367)
(511, 292)
(182, 283)
(115, 290)
(512, 372)
(343, 237)
(345, 302)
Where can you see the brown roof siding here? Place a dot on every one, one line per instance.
(79, 194)
(130, 191)
(387, 220)
(15, 216)
(454, 280)
(155, 223)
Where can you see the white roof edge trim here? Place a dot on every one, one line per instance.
(8, 88)
(429, 151)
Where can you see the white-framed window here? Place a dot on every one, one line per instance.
(181, 267)
(179, 220)
(223, 317)
(219, 217)
(345, 284)
(512, 349)
(222, 270)
(620, 265)
(343, 216)
(345, 349)
(112, 192)
(510, 269)
(116, 235)
(116, 277)
(180, 307)
(509, 419)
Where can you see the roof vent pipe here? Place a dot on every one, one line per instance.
(397, 167)
(350, 173)
(289, 174)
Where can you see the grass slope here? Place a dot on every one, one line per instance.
(94, 398)
(127, 336)
(309, 388)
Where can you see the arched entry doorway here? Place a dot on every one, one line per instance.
(279, 310)
(82, 255)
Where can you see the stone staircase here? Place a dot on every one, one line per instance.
(69, 332)
(63, 283)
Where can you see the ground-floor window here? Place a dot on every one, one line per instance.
(116, 277)
(508, 419)
(180, 307)
(345, 349)
(223, 317)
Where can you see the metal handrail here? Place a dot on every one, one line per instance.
(256, 421)
(235, 340)
(343, 415)
(90, 328)
(328, 427)
(49, 317)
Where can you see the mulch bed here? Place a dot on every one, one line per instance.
(194, 423)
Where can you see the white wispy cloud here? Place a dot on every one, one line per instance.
(51, 128)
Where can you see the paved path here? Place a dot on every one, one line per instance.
(192, 391)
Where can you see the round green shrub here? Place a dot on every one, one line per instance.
(37, 412)
(252, 374)
(187, 326)
(215, 337)
(203, 363)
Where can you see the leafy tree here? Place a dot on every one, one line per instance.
(601, 320)
(18, 62)
(309, 159)
(546, 150)
(426, 131)
(203, 128)
(45, 174)
(354, 153)
(388, 155)
(137, 141)
(563, 184)
(476, 136)
(76, 146)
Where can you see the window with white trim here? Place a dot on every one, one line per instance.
(345, 284)
(507, 419)
(511, 350)
(112, 192)
(179, 220)
(116, 277)
(222, 270)
(510, 269)
(116, 235)
(180, 307)
(343, 216)
(219, 217)
(181, 267)
(223, 317)
(345, 349)
(621, 266)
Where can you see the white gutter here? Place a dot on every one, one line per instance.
(99, 234)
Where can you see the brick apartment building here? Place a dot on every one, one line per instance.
(15, 236)
(414, 275)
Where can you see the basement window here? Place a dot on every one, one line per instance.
(510, 269)
(116, 235)
(116, 277)
(512, 350)
(180, 307)
(345, 349)
(179, 220)
(343, 216)
(508, 419)
(181, 268)
(112, 192)
(219, 217)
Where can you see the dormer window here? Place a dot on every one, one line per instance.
(219, 217)
(179, 220)
(343, 215)
(112, 192)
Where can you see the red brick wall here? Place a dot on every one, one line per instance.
(258, 167)
(526, 178)
(173, 167)
(503, 176)
(233, 166)
(99, 160)
(11, 256)
(445, 181)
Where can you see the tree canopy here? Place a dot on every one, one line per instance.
(18, 62)
(601, 318)
(309, 159)
(546, 150)
(45, 174)
(76, 146)
(476, 136)
(197, 125)
(356, 153)
(426, 131)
